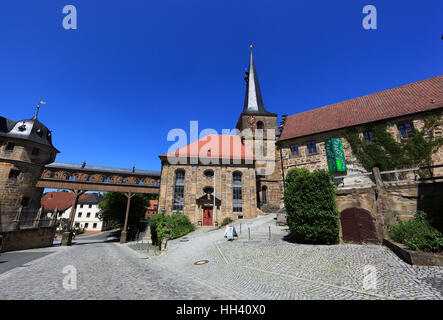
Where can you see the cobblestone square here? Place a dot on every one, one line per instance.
(257, 268)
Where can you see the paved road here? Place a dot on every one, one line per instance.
(104, 271)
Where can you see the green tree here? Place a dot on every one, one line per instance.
(113, 209)
(310, 204)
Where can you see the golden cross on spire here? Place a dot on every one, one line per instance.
(251, 47)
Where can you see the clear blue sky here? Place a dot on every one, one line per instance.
(135, 69)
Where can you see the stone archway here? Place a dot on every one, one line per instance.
(358, 226)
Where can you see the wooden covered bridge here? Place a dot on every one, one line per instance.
(82, 178)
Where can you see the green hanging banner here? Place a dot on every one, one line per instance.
(335, 155)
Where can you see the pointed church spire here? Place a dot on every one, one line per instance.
(253, 98)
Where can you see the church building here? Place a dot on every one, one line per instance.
(242, 176)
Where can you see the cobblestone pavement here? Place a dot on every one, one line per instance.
(104, 271)
(276, 269)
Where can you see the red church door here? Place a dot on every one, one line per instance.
(207, 216)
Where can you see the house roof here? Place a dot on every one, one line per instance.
(408, 99)
(214, 146)
(59, 200)
(28, 129)
(91, 198)
(152, 203)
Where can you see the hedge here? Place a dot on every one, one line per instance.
(176, 225)
(417, 234)
(310, 205)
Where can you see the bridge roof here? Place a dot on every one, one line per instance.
(69, 166)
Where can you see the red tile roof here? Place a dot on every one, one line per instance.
(404, 100)
(60, 200)
(152, 203)
(214, 146)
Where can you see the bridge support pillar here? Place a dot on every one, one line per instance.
(66, 238)
(123, 237)
(124, 233)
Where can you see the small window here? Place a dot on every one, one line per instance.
(260, 125)
(294, 150)
(369, 136)
(14, 173)
(88, 215)
(209, 173)
(90, 206)
(86, 225)
(312, 147)
(81, 206)
(10, 146)
(79, 215)
(35, 151)
(96, 215)
(25, 201)
(94, 226)
(405, 129)
(208, 190)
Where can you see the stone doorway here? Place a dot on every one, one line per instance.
(358, 226)
(207, 216)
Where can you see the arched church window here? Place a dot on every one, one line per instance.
(237, 202)
(260, 125)
(179, 189)
(264, 195)
(208, 190)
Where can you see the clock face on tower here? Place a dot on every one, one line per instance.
(251, 120)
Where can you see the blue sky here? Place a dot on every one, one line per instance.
(133, 70)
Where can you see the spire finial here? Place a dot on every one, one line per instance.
(251, 46)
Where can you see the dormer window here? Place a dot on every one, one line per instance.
(22, 127)
(10, 146)
(39, 132)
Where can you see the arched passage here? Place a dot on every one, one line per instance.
(358, 226)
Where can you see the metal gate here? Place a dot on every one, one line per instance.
(358, 226)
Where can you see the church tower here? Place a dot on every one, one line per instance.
(259, 131)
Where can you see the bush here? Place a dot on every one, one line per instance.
(226, 221)
(417, 234)
(310, 205)
(175, 225)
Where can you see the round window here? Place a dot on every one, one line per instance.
(209, 173)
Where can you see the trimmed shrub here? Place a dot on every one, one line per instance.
(417, 234)
(310, 205)
(226, 221)
(175, 225)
